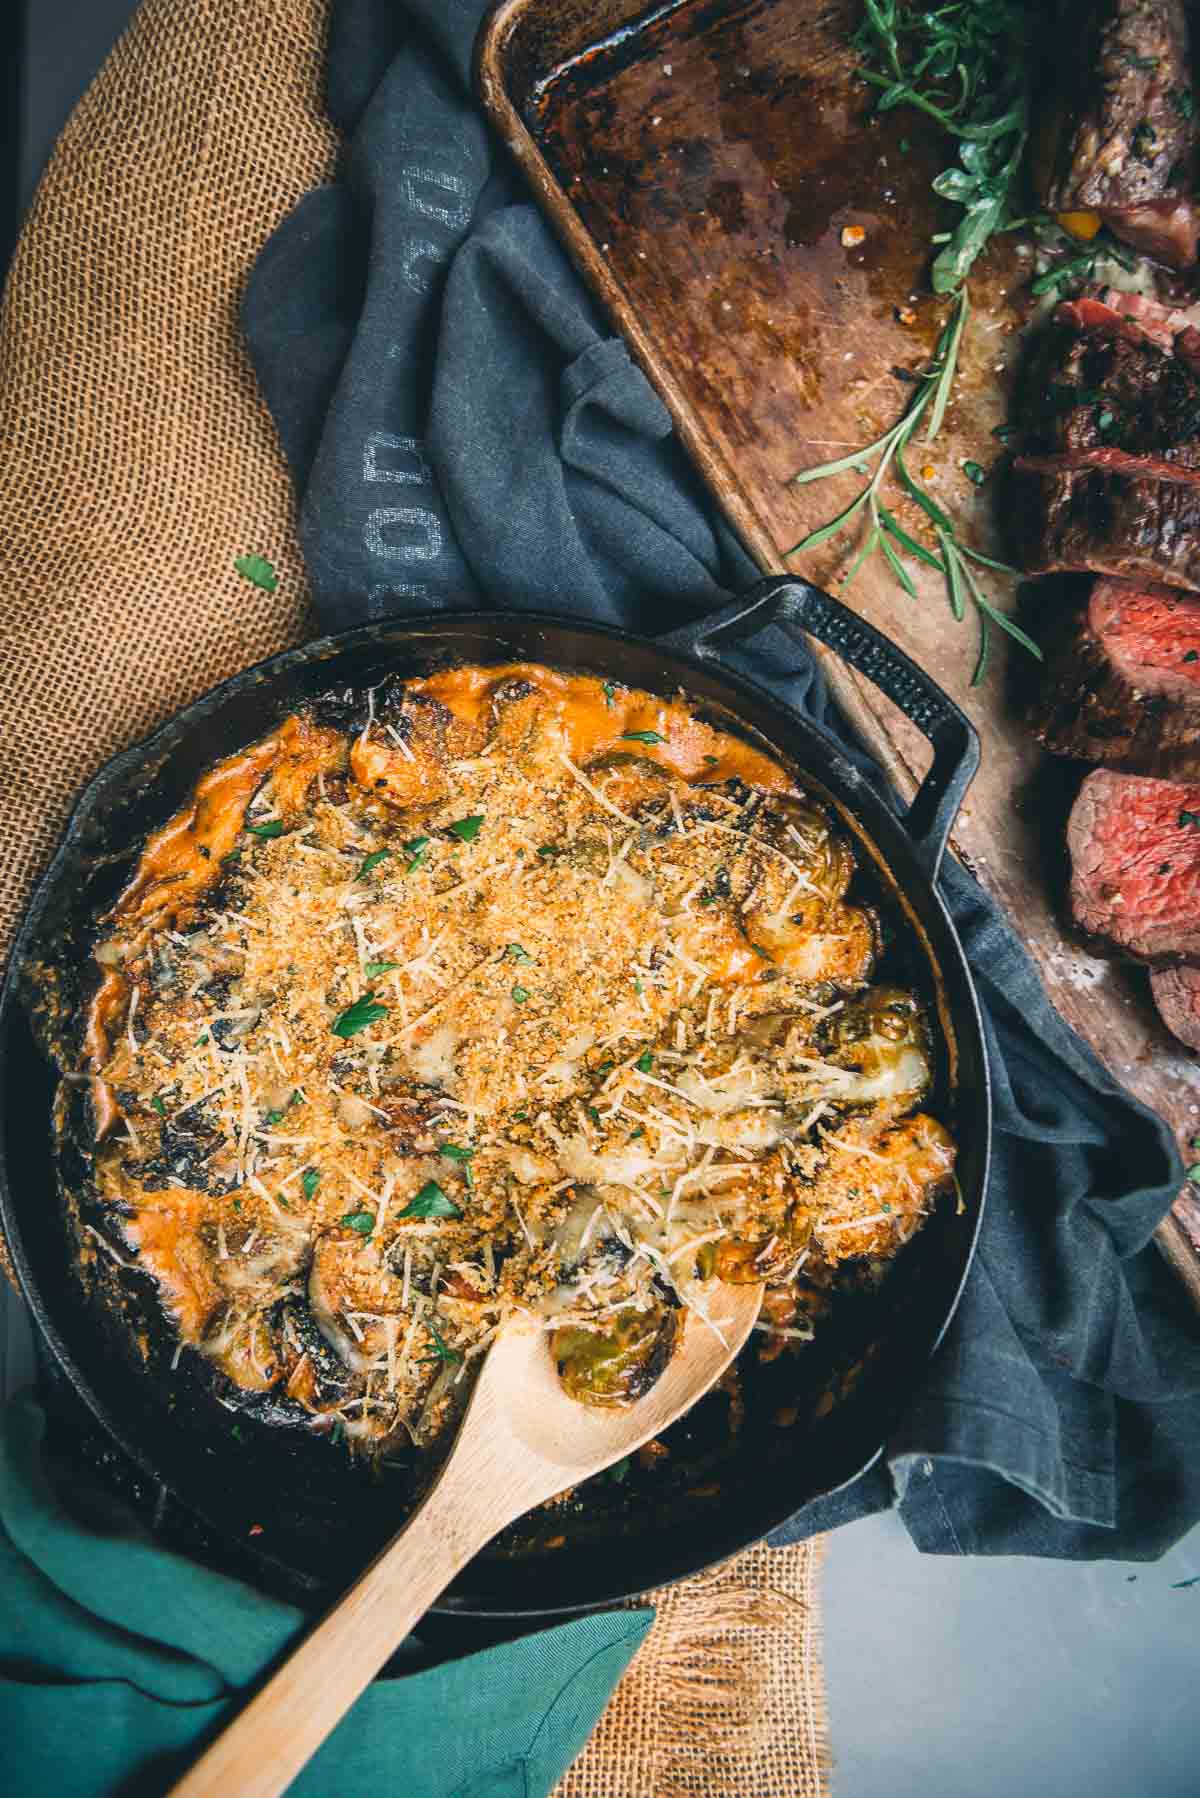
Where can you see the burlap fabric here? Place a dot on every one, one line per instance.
(136, 461)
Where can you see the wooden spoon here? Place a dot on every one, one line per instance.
(522, 1441)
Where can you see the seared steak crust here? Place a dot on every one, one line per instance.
(1122, 682)
(1109, 387)
(1084, 519)
(1135, 865)
(1123, 144)
(1177, 996)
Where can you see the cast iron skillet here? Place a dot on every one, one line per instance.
(320, 1518)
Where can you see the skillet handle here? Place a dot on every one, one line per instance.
(796, 605)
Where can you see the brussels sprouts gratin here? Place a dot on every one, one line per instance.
(503, 988)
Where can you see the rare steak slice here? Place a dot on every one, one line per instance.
(1122, 682)
(1177, 995)
(1106, 520)
(1121, 138)
(1098, 386)
(1135, 865)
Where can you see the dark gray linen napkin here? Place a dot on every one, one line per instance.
(464, 431)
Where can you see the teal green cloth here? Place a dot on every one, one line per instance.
(116, 1656)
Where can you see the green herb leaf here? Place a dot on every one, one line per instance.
(640, 1131)
(644, 1062)
(359, 1016)
(440, 1350)
(467, 829)
(156, 1104)
(372, 861)
(641, 736)
(763, 954)
(517, 953)
(1193, 655)
(310, 1182)
(362, 1221)
(337, 1432)
(520, 994)
(202, 1039)
(379, 967)
(272, 828)
(453, 1152)
(258, 571)
(619, 1471)
(975, 472)
(639, 985)
(1193, 1173)
(431, 1201)
(549, 849)
(418, 849)
(609, 692)
(1186, 818)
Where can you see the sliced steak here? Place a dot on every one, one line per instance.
(1122, 682)
(1106, 521)
(1122, 140)
(1135, 865)
(1096, 384)
(1177, 995)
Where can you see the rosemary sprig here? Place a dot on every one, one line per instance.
(885, 532)
(964, 64)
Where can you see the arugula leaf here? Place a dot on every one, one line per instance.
(310, 1182)
(272, 828)
(365, 1011)
(258, 571)
(362, 1221)
(431, 1201)
(467, 829)
(641, 736)
(372, 861)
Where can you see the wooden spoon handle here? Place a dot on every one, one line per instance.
(266, 1745)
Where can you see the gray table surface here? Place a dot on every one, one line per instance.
(947, 1678)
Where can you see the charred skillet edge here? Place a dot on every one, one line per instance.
(50, 935)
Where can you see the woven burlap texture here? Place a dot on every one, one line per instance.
(136, 461)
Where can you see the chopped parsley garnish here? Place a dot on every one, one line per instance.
(763, 954)
(640, 1131)
(1186, 818)
(592, 1113)
(711, 760)
(362, 1221)
(644, 1062)
(641, 736)
(517, 953)
(975, 472)
(1193, 1173)
(311, 1181)
(440, 1350)
(356, 1017)
(277, 1117)
(156, 1104)
(639, 986)
(372, 861)
(550, 849)
(338, 1431)
(520, 994)
(272, 828)
(258, 571)
(379, 967)
(453, 1152)
(619, 1471)
(431, 1201)
(417, 849)
(467, 829)
(609, 691)
(1193, 655)
(522, 1117)
(203, 1036)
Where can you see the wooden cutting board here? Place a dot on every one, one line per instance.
(711, 165)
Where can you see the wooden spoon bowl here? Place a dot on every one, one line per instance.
(522, 1441)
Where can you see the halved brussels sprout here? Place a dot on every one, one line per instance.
(614, 1366)
(883, 1038)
